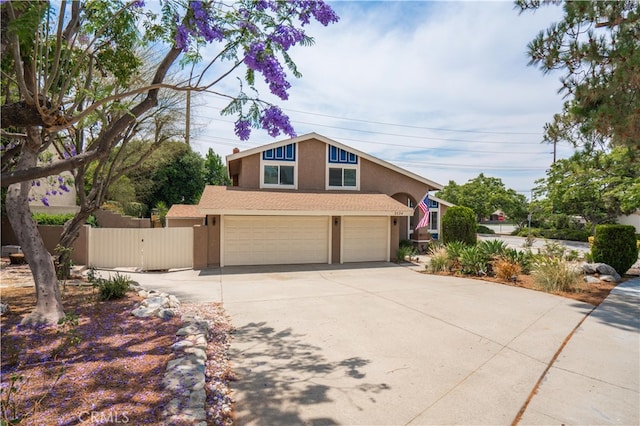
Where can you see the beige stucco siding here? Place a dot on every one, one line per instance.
(312, 165)
(375, 178)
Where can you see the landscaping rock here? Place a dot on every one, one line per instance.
(605, 269)
(4, 308)
(591, 279)
(184, 375)
(145, 311)
(611, 278)
(589, 268)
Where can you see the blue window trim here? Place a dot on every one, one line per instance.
(340, 156)
(433, 204)
(281, 153)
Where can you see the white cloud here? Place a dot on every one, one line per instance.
(453, 65)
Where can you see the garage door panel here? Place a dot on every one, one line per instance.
(365, 239)
(272, 240)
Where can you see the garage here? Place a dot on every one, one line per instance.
(273, 240)
(365, 239)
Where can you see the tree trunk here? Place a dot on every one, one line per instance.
(72, 227)
(48, 301)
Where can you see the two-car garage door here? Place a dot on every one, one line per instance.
(272, 240)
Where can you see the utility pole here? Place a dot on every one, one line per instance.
(554, 150)
(187, 133)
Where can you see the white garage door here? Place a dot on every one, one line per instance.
(273, 240)
(365, 239)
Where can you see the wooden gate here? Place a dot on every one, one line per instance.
(147, 249)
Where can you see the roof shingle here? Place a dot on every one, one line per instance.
(237, 201)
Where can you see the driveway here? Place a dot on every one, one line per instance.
(379, 343)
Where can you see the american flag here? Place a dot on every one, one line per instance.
(424, 207)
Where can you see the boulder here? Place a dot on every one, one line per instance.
(604, 269)
(611, 278)
(4, 308)
(591, 279)
(589, 268)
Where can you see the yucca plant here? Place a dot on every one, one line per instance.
(473, 261)
(453, 249)
(522, 258)
(492, 249)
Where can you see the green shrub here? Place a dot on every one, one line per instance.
(492, 249)
(439, 261)
(51, 219)
(555, 234)
(135, 209)
(481, 229)
(405, 251)
(554, 274)
(115, 287)
(473, 261)
(522, 258)
(616, 246)
(459, 224)
(406, 243)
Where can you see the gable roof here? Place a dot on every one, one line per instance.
(184, 211)
(239, 201)
(313, 135)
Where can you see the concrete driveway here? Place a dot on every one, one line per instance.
(378, 343)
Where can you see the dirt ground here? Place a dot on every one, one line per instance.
(102, 365)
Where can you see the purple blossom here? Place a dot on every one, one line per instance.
(182, 38)
(287, 36)
(274, 121)
(64, 188)
(37, 183)
(258, 59)
(138, 3)
(45, 201)
(321, 11)
(243, 129)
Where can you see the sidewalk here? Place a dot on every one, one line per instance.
(595, 379)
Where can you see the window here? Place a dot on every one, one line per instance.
(342, 177)
(278, 175)
(433, 221)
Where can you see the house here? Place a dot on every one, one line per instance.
(311, 199)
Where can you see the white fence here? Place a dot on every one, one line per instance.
(146, 248)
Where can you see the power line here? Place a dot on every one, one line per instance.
(359, 120)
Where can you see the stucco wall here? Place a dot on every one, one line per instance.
(108, 219)
(312, 165)
(183, 222)
(375, 178)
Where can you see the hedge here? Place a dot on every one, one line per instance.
(616, 246)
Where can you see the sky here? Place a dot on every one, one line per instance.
(442, 89)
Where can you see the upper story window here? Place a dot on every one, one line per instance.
(281, 153)
(278, 167)
(343, 170)
(275, 174)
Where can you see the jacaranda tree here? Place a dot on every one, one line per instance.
(52, 53)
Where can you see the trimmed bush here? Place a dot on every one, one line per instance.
(459, 224)
(485, 230)
(555, 234)
(51, 219)
(616, 246)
